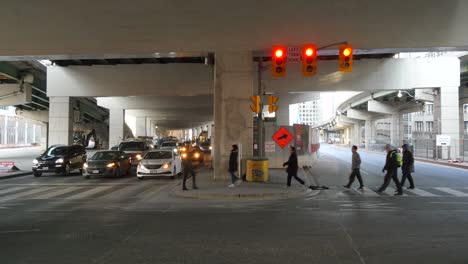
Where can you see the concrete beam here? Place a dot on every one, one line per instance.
(425, 95)
(157, 102)
(15, 94)
(369, 75)
(359, 114)
(41, 116)
(379, 107)
(130, 80)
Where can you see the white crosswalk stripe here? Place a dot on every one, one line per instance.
(59, 192)
(23, 194)
(420, 192)
(89, 193)
(452, 191)
(10, 190)
(126, 191)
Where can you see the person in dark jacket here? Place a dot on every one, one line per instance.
(233, 164)
(391, 166)
(355, 167)
(407, 167)
(187, 159)
(293, 167)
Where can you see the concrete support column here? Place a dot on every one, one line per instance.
(116, 126)
(396, 135)
(369, 129)
(60, 120)
(44, 134)
(447, 120)
(234, 78)
(140, 126)
(5, 131)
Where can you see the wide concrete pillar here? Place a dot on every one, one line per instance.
(447, 120)
(368, 133)
(234, 78)
(60, 120)
(116, 126)
(44, 136)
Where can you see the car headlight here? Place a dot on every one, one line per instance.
(35, 161)
(111, 165)
(184, 155)
(85, 165)
(166, 166)
(210, 147)
(59, 161)
(138, 157)
(175, 150)
(196, 155)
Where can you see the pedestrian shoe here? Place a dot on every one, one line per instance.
(398, 193)
(184, 189)
(231, 185)
(361, 188)
(411, 187)
(238, 182)
(346, 186)
(195, 188)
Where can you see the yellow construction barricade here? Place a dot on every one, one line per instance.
(257, 170)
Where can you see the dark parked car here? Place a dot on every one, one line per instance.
(135, 149)
(107, 163)
(60, 159)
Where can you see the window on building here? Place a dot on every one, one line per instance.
(419, 126)
(465, 109)
(466, 127)
(429, 109)
(429, 126)
(3, 107)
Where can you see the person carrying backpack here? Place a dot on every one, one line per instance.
(391, 166)
(407, 167)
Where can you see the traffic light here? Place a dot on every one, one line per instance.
(346, 58)
(255, 107)
(278, 62)
(271, 103)
(309, 60)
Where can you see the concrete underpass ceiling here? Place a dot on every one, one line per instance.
(167, 112)
(148, 26)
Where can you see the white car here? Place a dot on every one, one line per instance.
(160, 163)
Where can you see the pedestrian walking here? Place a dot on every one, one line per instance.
(355, 167)
(407, 167)
(293, 167)
(187, 159)
(233, 164)
(391, 166)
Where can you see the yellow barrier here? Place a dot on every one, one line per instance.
(257, 170)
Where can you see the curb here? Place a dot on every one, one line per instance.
(241, 196)
(20, 174)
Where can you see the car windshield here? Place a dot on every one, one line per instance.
(169, 144)
(158, 155)
(104, 156)
(57, 151)
(138, 146)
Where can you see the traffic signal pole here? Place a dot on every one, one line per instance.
(260, 93)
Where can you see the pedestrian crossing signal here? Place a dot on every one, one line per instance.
(271, 103)
(255, 107)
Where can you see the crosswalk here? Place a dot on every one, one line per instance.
(79, 192)
(417, 192)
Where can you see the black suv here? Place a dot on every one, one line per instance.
(60, 159)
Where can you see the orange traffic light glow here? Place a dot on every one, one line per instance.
(309, 52)
(347, 51)
(279, 53)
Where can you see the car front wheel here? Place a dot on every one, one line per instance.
(66, 170)
(37, 174)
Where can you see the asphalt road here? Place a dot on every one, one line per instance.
(54, 219)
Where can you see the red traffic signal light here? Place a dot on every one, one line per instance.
(278, 61)
(345, 58)
(309, 60)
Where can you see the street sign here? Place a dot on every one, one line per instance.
(269, 146)
(294, 54)
(282, 137)
(443, 140)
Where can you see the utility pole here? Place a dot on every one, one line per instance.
(260, 114)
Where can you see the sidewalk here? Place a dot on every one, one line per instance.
(218, 189)
(461, 165)
(8, 175)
